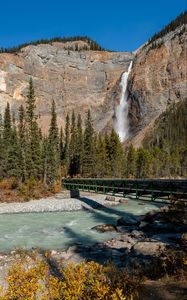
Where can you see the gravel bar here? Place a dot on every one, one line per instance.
(55, 203)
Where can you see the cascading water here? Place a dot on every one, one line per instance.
(121, 124)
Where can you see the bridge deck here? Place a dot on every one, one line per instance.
(148, 188)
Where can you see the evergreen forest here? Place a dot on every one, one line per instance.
(26, 154)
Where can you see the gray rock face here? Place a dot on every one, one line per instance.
(75, 80)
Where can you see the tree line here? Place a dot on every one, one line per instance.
(156, 40)
(26, 153)
(92, 45)
(178, 21)
(169, 136)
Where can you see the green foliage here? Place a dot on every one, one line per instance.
(88, 147)
(22, 144)
(51, 151)
(114, 152)
(143, 161)
(131, 162)
(65, 154)
(101, 166)
(79, 145)
(168, 140)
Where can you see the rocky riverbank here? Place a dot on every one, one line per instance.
(151, 245)
(141, 243)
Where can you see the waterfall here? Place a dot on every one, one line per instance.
(121, 124)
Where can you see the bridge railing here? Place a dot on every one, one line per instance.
(150, 188)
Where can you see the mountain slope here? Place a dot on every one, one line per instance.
(158, 79)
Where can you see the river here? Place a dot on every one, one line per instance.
(59, 230)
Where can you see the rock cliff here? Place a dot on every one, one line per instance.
(74, 79)
(158, 79)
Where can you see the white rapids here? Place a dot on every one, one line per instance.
(122, 124)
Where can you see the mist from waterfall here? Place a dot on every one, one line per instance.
(121, 123)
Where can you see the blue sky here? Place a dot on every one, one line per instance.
(121, 25)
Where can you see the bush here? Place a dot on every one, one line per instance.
(31, 279)
(9, 183)
(32, 189)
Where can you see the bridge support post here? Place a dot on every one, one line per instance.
(74, 194)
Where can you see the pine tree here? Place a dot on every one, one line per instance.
(13, 151)
(100, 168)
(156, 163)
(88, 147)
(7, 127)
(34, 159)
(2, 149)
(73, 147)
(131, 162)
(53, 129)
(6, 140)
(175, 162)
(107, 160)
(22, 144)
(115, 154)
(65, 155)
(61, 144)
(142, 163)
(52, 154)
(79, 145)
(124, 166)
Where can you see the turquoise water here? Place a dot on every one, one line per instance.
(61, 229)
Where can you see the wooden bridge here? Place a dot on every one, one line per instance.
(150, 189)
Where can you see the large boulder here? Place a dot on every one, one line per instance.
(105, 228)
(149, 248)
(110, 198)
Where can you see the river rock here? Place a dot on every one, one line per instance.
(137, 234)
(123, 243)
(105, 228)
(123, 201)
(110, 198)
(151, 248)
(184, 238)
(127, 221)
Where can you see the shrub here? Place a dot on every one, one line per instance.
(32, 189)
(31, 279)
(9, 183)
